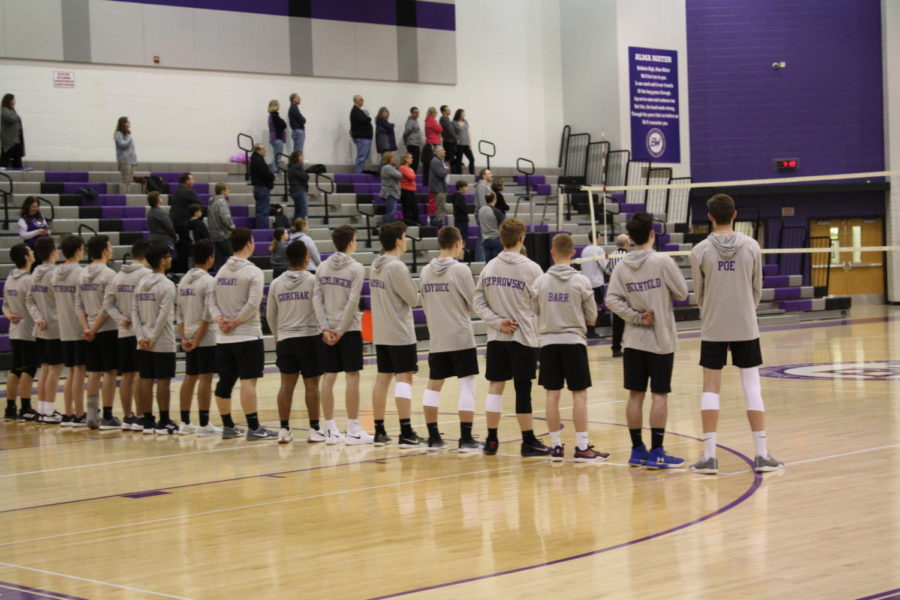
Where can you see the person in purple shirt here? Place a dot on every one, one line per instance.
(31, 224)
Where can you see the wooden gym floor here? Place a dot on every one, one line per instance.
(111, 515)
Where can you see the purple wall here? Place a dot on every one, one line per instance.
(824, 109)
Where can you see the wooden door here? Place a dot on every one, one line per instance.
(853, 272)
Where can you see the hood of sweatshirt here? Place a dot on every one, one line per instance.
(381, 261)
(562, 272)
(293, 279)
(92, 272)
(193, 275)
(148, 282)
(440, 265)
(64, 270)
(42, 271)
(131, 268)
(17, 274)
(339, 260)
(512, 258)
(726, 244)
(636, 258)
(235, 264)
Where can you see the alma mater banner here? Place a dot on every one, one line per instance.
(653, 94)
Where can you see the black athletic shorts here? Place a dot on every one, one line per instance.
(344, 357)
(300, 355)
(510, 360)
(74, 353)
(156, 365)
(639, 366)
(396, 359)
(200, 361)
(103, 352)
(24, 354)
(456, 363)
(128, 354)
(49, 351)
(744, 355)
(240, 360)
(565, 363)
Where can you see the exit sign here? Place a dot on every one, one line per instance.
(786, 164)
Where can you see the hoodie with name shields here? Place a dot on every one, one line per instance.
(120, 295)
(238, 294)
(41, 302)
(727, 273)
(505, 291)
(340, 286)
(92, 285)
(647, 281)
(194, 290)
(14, 294)
(65, 286)
(393, 296)
(291, 307)
(153, 312)
(563, 302)
(447, 292)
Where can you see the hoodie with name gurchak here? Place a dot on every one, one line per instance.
(291, 307)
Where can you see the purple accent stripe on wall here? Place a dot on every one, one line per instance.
(376, 12)
(260, 7)
(436, 15)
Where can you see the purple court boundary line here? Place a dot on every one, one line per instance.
(881, 595)
(18, 587)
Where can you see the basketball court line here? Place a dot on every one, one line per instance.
(17, 587)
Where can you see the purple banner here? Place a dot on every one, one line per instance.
(653, 99)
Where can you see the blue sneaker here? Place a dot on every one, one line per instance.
(638, 456)
(658, 459)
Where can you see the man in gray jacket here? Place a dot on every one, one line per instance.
(437, 187)
(220, 225)
(640, 292)
(727, 271)
(412, 137)
(489, 219)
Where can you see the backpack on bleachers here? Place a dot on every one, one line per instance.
(316, 169)
(155, 183)
(281, 219)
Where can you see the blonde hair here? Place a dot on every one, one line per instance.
(299, 224)
(405, 156)
(273, 105)
(432, 111)
(387, 157)
(221, 187)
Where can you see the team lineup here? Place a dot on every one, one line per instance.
(118, 329)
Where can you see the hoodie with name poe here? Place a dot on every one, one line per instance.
(238, 294)
(120, 293)
(14, 294)
(505, 290)
(153, 312)
(340, 287)
(64, 283)
(92, 285)
(41, 302)
(291, 309)
(447, 292)
(194, 290)
(645, 280)
(563, 302)
(393, 296)
(727, 273)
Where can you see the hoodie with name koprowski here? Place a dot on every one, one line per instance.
(563, 302)
(65, 285)
(447, 292)
(238, 294)
(393, 296)
(340, 286)
(505, 291)
(194, 290)
(15, 293)
(41, 302)
(92, 285)
(120, 295)
(291, 307)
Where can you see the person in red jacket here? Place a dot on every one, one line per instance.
(433, 131)
(408, 191)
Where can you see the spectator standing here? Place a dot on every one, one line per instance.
(432, 139)
(437, 187)
(461, 210)
(361, 132)
(594, 271)
(463, 143)
(489, 219)
(623, 244)
(159, 223)
(482, 188)
(297, 122)
(126, 156)
(12, 136)
(220, 225)
(263, 180)
(277, 133)
(412, 137)
(385, 141)
(299, 232)
(197, 229)
(448, 134)
(298, 181)
(179, 211)
(408, 191)
(390, 185)
(497, 188)
(31, 224)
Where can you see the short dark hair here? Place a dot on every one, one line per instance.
(184, 177)
(43, 248)
(19, 255)
(297, 253)
(590, 235)
(390, 233)
(342, 236)
(489, 197)
(721, 207)
(412, 108)
(71, 244)
(202, 251)
(511, 231)
(153, 198)
(194, 208)
(156, 253)
(443, 106)
(461, 184)
(240, 238)
(639, 227)
(139, 249)
(96, 245)
(448, 236)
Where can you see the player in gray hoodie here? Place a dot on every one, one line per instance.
(64, 282)
(640, 292)
(240, 352)
(727, 271)
(117, 304)
(564, 304)
(21, 335)
(393, 296)
(41, 305)
(447, 292)
(503, 299)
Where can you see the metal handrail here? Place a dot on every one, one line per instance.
(7, 195)
(52, 208)
(247, 152)
(325, 192)
(527, 193)
(415, 263)
(564, 144)
(487, 155)
(366, 214)
(82, 226)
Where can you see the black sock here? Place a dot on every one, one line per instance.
(528, 436)
(148, 417)
(227, 421)
(313, 423)
(163, 416)
(405, 427)
(204, 418)
(253, 421)
(11, 404)
(465, 431)
(492, 435)
(433, 432)
(185, 416)
(26, 403)
(379, 426)
(637, 438)
(656, 437)
(107, 412)
(286, 424)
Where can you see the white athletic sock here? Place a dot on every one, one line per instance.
(709, 444)
(46, 408)
(581, 440)
(759, 440)
(352, 425)
(555, 439)
(330, 426)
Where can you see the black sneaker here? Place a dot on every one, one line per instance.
(79, 421)
(10, 414)
(470, 446)
(410, 441)
(166, 428)
(534, 448)
(28, 415)
(617, 354)
(491, 447)
(435, 444)
(382, 438)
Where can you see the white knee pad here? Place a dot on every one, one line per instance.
(431, 398)
(402, 390)
(494, 403)
(709, 401)
(467, 394)
(752, 389)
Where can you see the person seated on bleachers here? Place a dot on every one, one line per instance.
(159, 224)
(32, 224)
(299, 232)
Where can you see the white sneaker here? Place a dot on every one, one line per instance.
(186, 429)
(316, 435)
(358, 437)
(334, 437)
(285, 436)
(209, 430)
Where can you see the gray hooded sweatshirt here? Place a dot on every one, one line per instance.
(727, 273)
(65, 286)
(563, 302)
(120, 293)
(153, 312)
(92, 286)
(447, 292)
(340, 286)
(238, 294)
(194, 290)
(505, 290)
(14, 294)
(646, 280)
(393, 296)
(291, 309)
(41, 302)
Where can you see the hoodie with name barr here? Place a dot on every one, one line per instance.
(14, 294)
(194, 290)
(153, 312)
(647, 281)
(65, 286)
(238, 294)
(447, 292)
(563, 302)
(393, 296)
(291, 309)
(92, 286)
(505, 290)
(727, 273)
(41, 302)
(340, 286)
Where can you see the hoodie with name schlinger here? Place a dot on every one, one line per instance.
(340, 286)
(120, 293)
(92, 285)
(152, 312)
(393, 296)
(65, 285)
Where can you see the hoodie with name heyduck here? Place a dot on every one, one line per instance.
(291, 308)
(393, 296)
(563, 302)
(153, 312)
(15, 293)
(194, 290)
(238, 294)
(41, 302)
(505, 291)
(65, 286)
(92, 285)
(447, 292)
(340, 287)
(120, 295)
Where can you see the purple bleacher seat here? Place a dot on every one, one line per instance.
(134, 224)
(770, 270)
(123, 212)
(532, 179)
(343, 177)
(632, 207)
(684, 302)
(243, 222)
(110, 200)
(72, 187)
(365, 288)
(663, 239)
(470, 198)
(543, 189)
(240, 210)
(167, 176)
(418, 315)
(5, 346)
(797, 305)
(421, 189)
(4, 325)
(776, 281)
(65, 176)
(201, 188)
(670, 247)
(658, 227)
(471, 241)
(618, 197)
(263, 236)
(204, 198)
(787, 293)
(260, 249)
